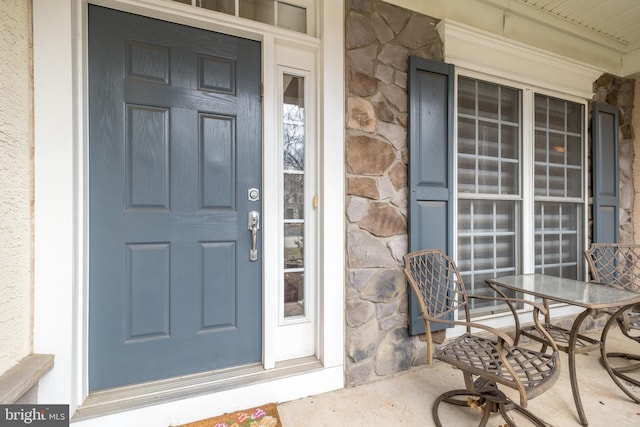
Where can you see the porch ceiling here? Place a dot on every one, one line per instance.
(612, 23)
(618, 20)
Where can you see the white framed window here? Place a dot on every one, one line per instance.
(489, 168)
(499, 148)
(521, 159)
(294, 288)
(559, 194)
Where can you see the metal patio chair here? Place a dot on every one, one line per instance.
(485, 361)
(618, 265)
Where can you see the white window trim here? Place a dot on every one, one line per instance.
(486, 56)
(60, 292)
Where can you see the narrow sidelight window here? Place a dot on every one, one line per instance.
(293, 140)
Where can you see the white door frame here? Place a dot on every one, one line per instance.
(60, 294)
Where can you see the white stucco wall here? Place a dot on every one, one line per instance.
(16, 182)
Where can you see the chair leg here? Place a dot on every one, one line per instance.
(618, 375)
(524, 412)
(450, 397)
(490, 399)
(629, 368)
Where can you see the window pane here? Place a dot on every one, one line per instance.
(574, 150)
(293, 123)
(488, 147)
(556, 114)
(551, 219)
(466, 136)
(541, 146)
(488, 176)
(541, 111)
(510, 105)
(482, 253)
(294, 245)
(574, 118)
(224, 6)
(482, 216)
(509, 180)
(284, 15)
(293, 294)
(487, 100)
(574, 182)
(558, 150)
(556, 182)
(466, 96)
(466, 174)
(505, 256)
(487, 139)
(487, 244)
(292, 17)
(293, 196)
(257, 10)
(509, 142)
(464, 222)
(557, 249)
(570, 272)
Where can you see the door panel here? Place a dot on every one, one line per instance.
(174, 145)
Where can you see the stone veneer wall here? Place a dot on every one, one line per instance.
(635, 121)
(620, 92)
(379, 39)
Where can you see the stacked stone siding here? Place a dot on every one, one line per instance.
(619, 92)
(379, 40)
(636, 159)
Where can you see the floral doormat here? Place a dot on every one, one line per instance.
(262, 416)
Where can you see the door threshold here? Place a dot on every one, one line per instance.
(120, 399)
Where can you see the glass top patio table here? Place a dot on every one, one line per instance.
(588, 295)
(575, 292)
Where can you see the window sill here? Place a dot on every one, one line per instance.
(17, 381)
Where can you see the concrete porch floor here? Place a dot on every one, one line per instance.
(406, 399)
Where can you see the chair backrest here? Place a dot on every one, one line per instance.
(436, 281)
(615, 264)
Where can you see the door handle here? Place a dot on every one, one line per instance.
(254, 226)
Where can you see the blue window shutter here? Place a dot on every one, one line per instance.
(605, 182)
(430, 164)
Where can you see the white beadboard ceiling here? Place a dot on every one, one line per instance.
(618, 20)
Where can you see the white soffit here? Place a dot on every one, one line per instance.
(618, 20)
(481, 51)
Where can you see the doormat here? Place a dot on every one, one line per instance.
(261, 416)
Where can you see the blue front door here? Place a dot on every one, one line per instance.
(174, 148)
